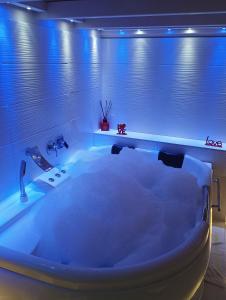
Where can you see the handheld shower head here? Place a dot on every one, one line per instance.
(23, 195)
(22, 168)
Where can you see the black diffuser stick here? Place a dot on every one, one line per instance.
(101, 105)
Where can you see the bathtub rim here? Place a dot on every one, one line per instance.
(108, 278)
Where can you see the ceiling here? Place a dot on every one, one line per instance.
(130, 13)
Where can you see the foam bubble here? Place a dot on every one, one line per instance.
(120, 210)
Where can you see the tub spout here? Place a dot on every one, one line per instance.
(37, 157)
(23, 195)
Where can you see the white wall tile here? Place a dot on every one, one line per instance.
(171, 86)
(49, 76)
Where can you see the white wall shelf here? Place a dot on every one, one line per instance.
(160, 139)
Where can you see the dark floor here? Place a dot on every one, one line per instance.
(215, 283)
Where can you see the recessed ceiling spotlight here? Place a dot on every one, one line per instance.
(28, 8)
(169, 29)
(71, 20)
(223, 28)
(190, 30)
(139, 31)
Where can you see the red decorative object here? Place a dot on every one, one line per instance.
(105, 109)
(104, 125)
(122, 129)
(213, 143)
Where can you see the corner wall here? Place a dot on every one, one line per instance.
(49, 76)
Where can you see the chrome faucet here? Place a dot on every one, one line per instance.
(23, 195)
(37, 157)
(59, 143)
(51, 146)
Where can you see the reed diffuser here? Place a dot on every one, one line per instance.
(105, 109)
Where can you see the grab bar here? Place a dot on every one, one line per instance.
(218, 205)
(206, 197)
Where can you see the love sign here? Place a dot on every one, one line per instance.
(213, 143)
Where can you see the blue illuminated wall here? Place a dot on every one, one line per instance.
(49, 74)
(52, 77)
(169, 86)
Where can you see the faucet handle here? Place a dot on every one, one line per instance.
(60, 141)
(66, 145)
(51, 146)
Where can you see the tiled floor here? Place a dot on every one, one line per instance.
(215, 282)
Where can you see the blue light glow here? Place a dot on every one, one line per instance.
(2, 31)
(169, 30)
(121, 32)
(218, 59)
(86, 43)
(223, 29)
(8, 40)
(53, 39)
(4, 13)
(12, 206)
(122, 50)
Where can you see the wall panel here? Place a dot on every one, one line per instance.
(169, 86)
(49, 76)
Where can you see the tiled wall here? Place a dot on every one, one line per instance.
(169, 86)
(52, 77)
(49, 76)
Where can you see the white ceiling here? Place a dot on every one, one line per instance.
(131, 13)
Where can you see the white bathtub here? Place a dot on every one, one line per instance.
(177, 274)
